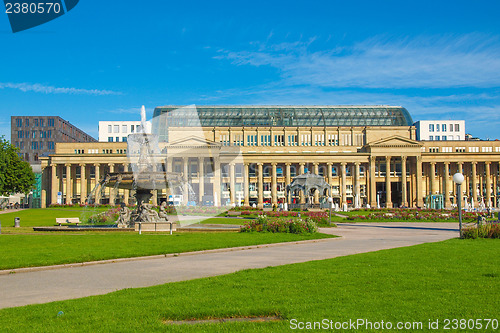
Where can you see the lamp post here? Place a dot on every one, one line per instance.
(330, 201)
(458, 178)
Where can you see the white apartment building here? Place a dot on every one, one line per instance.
(440, 130)
(117, 131)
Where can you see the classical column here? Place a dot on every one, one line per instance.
(246, 185)
(185, 177)
(419, 185)
(301, 193)
(446, 190)
(69, 184)
(404, 195)
(474, 182)
(201, 179)
(388, 194)
(126, 193)
(357, 193)
(316, 172)
(288, 181)
(274, 184)
(83, 184)
(111, 190)
(373, 186)
(260, 186)
(232, 183)
(344, 181)
(217, 180)
(97, 194)
(488, 184)
(55, 184)
(432, 177)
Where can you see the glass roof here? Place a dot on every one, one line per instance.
(238, 116)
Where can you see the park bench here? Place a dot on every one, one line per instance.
(67, 220)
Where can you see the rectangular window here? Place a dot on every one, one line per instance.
(27, 122)
(42, 122)
(19, 122)
(457, 127)
(431, 137)
(110, 129)
(124, 139)
(116, 128)
(437, 137)
(33, 134)
(51, 122)
(124, 128)
(131, 128)
(35, 122)
(451, 127)
(437, 127)
(279, 140)
(333, 140)
(49, 134)
(443, 138)
(110, 139)
(292, 140)
(444, 127)
(117, 139)
(431, 128)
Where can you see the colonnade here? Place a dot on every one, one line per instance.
(414, 179)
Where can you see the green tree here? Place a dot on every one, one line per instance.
(16, 175)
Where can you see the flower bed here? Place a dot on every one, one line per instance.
(108, 217)
(280, 224)
(413, 215)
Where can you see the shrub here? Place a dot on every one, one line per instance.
(483, 231)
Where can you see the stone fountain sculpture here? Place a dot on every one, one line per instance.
(145, 158)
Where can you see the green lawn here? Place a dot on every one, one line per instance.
(23, 250)
(436, 281)
(47, 216)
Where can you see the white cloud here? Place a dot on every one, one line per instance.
(40, 88)
(424, 62)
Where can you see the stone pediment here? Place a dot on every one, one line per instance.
(395, 141)
(193, 142)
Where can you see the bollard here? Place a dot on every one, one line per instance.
(17, 222)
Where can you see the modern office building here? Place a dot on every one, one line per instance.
(36, 136)
(117, 131)
(440, 130)
(369, 155)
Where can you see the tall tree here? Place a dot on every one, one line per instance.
(16, 175)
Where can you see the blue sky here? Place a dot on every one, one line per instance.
(104, 59)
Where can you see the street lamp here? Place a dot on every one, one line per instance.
(458, 178)
(330, 201)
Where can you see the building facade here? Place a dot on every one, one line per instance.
(36, 136)
(440, 130)
(244, 155)
(117, 131)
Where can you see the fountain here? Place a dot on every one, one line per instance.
(144, 157)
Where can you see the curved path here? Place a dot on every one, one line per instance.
(41, 286)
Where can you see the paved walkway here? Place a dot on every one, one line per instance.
(74, 282)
